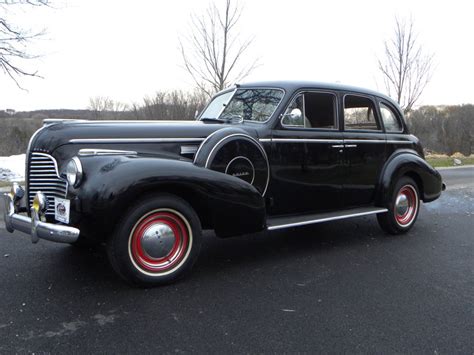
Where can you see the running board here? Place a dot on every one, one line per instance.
(295, 221)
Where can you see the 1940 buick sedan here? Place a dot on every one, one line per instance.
(261, 156)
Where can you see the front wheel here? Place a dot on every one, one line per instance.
(157, 242)
(403, 208)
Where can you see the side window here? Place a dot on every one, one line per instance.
(312, 110)
(389, 118)
(359, 113)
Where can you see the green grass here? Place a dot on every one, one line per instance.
(438, 162)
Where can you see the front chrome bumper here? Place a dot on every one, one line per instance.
(34, 226)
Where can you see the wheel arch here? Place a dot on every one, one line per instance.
(409, 163)
(186, 193)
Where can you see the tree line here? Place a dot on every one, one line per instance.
(441, 129)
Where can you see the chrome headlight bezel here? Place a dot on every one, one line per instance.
(74, 172)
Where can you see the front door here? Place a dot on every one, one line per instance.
(307, 156)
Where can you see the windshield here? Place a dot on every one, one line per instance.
(245, 104)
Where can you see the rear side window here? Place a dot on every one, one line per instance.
(389, 118)
(359, 113)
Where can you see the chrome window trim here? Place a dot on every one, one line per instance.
(317, 91)
(134, 140)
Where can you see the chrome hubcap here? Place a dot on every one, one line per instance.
(406, 205)
(158, 240)
(401, 205)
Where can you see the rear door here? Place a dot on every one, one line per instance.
(364, 149)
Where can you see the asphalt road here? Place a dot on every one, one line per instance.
(335, 287)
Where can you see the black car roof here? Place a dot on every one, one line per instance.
(295, 85)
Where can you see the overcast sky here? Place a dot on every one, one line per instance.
(128, 49)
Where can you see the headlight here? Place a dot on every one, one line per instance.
(74, 172)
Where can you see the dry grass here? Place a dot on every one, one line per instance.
(443, 160)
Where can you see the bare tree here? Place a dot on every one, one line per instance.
(104, 106)
(406, 67)
(14, 40)
(212, 53)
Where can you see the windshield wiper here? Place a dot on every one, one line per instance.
(213, 120)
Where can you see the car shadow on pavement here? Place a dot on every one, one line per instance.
(261, 250)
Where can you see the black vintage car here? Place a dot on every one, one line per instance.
(261, 156)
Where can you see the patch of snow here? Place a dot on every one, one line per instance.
(12, 168)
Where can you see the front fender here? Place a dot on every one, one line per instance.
(112, 184)
(409, 163)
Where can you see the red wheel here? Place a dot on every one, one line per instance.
(406, 205)
(403, 207)
(159, 241)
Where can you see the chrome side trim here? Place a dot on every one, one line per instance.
(134, 140)
(305, 140)
(333, 218)
(93, 152)
(50, 121)
(348, 141)
(202, 144)
(399, 142)
(189, 149)
(316, 140)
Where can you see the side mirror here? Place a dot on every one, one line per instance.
(196, 114)
(294, 118)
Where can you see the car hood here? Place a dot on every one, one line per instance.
(112, 133)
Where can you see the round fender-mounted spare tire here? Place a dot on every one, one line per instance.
(234, 152)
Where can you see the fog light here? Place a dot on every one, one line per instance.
(40, 203)
(17, 192)
(74, 172)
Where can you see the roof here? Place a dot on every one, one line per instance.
(298, 84)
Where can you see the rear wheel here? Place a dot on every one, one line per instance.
(403, 207)
(157, 242)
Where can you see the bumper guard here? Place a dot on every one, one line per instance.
(34, 226)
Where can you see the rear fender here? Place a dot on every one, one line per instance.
(409, 163)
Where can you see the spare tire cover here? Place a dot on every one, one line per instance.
(239, 155)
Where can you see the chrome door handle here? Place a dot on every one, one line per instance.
(351, 145)
(338, 146)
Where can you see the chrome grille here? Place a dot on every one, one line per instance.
(43, 176)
